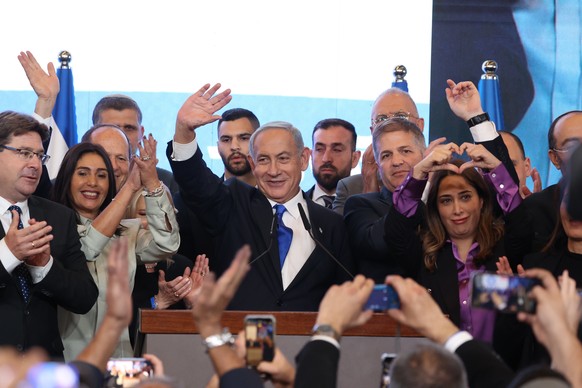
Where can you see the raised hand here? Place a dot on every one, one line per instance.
(438, 159)
(463, 99)
(342, 306)
(480, 157)
(119, 304)
(174, 290)
(146, 162)
(45, 84)
(370, 171)
(198, 110)
(197, 274)
(537, 181)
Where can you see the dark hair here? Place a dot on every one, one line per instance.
(396, 124)
(426, 366)
(61, 190)
(87, 135)
(18, 124)
(517, 140)
(239, 113)
(551, 138)
(116, 102)
(434, 236)
(326, 123)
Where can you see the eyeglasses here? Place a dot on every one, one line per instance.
(397, 115)
(27, 154)
(568, 150)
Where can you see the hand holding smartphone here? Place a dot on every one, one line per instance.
(382, 298)
(128, 372)
(259, 339)
(507, 294)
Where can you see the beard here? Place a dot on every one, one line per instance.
(236, 169)
(329, 180)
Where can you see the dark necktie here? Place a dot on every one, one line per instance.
(284, 234)
(328, 200)
(21, 273)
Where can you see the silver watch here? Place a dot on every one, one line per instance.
(216, 340)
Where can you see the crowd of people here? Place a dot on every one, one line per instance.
(112, 232)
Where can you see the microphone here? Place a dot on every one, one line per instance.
(271, 234)
(307, 226)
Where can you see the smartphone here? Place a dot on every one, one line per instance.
(383, 297)
(508, 294)
(52, 374)
(128, 372)
(259, 339)
(387, 359)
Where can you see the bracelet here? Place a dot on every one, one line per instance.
(478, 119)
(154, 302)
(157, 192)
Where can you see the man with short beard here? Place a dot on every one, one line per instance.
(234, 131)
(332, 158)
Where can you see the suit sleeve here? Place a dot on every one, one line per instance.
(202, 191)
(241, 377)
(403, 241)
(498, 148)
(341, 195)
(69, 282)
(484, 367)
(317, 365)
(366, 229)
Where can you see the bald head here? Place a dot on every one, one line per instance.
(393, 101)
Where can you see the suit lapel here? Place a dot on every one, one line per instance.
(446, 275)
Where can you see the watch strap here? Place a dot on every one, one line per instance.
(216, 340)
(478, 119)
(326, 330)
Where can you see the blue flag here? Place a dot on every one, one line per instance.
(491, 98)
(64, 112)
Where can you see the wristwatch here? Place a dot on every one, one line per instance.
(478, 119)
(326, 330)
(216, 340)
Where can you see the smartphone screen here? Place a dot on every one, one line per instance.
(382, 298)
(259, 339)
(128, 372)
(508, 294)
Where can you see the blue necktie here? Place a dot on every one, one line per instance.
(21, 273)
(284, 234)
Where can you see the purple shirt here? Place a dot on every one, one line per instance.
(478, 322)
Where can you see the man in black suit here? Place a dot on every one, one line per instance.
(398, 146)
(333, 157)
(42, 265)
(239, 214)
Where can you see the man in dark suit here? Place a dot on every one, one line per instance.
(393, 102)
(333, 157)
(42, 265)
(398, 146)
(289, 270)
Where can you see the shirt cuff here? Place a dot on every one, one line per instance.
(327, 339)
(456, 340)
(46, 121)
(39, 273)
(484, 131)
(507, 191)
(9, 261)
(184, 151)
(408, 195)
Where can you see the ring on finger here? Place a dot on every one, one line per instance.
(33, 245)
(176, 294)
(145, 158)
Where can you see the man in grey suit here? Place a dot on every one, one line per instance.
(393, 102)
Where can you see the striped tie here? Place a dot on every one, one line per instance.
(21, 273)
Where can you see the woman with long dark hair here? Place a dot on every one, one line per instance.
(86, 183)
(441, 244)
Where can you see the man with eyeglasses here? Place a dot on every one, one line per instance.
(391, 103)
(542, 209)
(41, 262)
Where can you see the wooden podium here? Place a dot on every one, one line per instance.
(288, 323)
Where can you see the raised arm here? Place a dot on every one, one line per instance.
(45, 84)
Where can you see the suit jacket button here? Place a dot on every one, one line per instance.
(279, 302)
(19, 347)
(26, 312)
